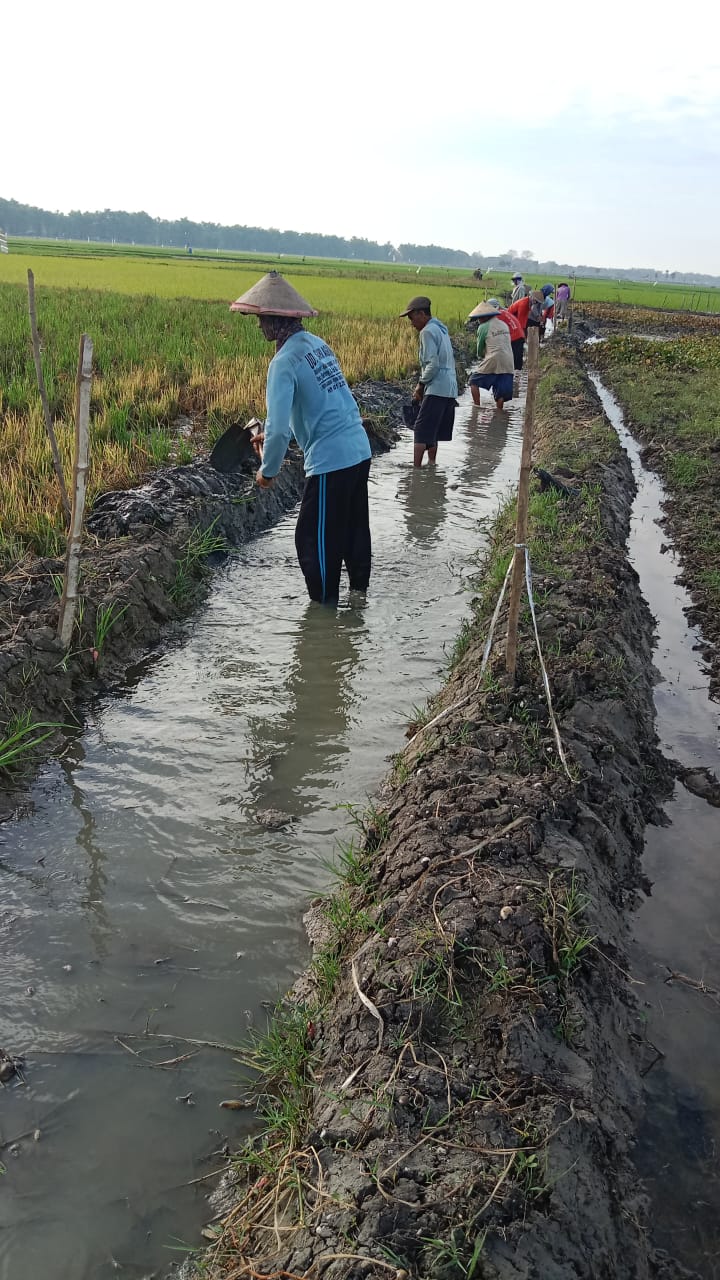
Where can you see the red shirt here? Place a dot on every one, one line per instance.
(512, 322)
(521, 310)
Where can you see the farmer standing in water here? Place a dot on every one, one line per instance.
(308, 398)
(437, 387)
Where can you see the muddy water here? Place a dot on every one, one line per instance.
(139, 894)
(678, 928)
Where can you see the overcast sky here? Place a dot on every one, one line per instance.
(584, 133)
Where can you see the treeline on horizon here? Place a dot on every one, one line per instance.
(140, 228)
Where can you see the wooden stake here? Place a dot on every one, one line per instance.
(83, 388)
(57, 460)
(518, 572)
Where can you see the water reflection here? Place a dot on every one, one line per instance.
(422, 492)
(318, 697)
(96, 880)
(487, 432)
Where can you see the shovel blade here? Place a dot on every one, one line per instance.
(232, 448)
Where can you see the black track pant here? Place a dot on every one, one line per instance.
(333, 525)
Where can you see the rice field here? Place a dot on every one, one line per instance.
(348, 292)
(157, 356)
(199, 278)
(166, 345)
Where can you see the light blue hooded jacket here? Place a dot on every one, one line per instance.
(437, 362)
(308, 397)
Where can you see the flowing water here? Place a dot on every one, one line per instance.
(139, 894)
(677, 928)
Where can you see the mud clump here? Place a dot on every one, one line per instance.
(453, 1088)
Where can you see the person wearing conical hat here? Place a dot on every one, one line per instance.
(517, 333)
(308, 398)
(495, 371)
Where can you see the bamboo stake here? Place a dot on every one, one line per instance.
(83, 387)
(518, 572)
(57, 460)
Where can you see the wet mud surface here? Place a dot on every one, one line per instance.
(456, 1085)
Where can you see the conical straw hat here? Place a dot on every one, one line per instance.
(484, 310)
(273, 296)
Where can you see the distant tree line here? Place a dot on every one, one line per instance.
(139, 228)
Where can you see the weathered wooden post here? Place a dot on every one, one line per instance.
(83, 388)
(57, 461)
(518, 572)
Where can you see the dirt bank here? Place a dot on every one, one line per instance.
(454, 1087)
(144, 568)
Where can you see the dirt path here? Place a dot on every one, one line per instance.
(454, 1088)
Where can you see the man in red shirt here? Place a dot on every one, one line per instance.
(521, 310)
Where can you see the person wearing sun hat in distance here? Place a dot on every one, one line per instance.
(495, 372)
(437, 386)
(520, 289)
(308, 398)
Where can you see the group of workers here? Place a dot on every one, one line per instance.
(501, 337)
(309, 398)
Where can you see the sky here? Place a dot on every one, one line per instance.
(587, 134)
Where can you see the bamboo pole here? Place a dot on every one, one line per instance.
(83, 388)
(518, 572)
(57, 460)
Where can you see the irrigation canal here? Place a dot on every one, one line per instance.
(140, 893)
(677, 929)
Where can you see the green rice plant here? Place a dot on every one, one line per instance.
(200, 544)
(44, 533)
(107, 617)
(20, 738)
(160, 447)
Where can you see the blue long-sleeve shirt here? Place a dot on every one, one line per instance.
(308, 397)
(437, 362)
